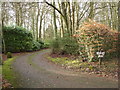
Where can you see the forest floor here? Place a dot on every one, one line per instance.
(108, 69)
(36, 71)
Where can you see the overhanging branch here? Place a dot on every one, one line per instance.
(54, 8)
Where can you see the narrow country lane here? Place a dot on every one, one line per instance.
(37, 72)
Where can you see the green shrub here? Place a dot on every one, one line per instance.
(41, 43)
(18, 39)
(65, 45)
(46, 45)
(91, 67)
(36, 46)
(55, 45)
(9, 55)
(69, 46)
(0, 60)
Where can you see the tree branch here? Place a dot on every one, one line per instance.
(103, 7)
(54, 8)
(83, 15)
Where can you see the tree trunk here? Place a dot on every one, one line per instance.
(55, 26)
(37, 21)
(33, 22)
(119, 16)
(111, 14)
(1, 31)
(70, 19)
(61, 20)
(118, 31)
(40, 27)
(44, 28)
(91, 14)
(3, 41)
(73, 18)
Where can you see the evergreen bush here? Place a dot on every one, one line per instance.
(18, 39)
(65, 45)
(9, 55)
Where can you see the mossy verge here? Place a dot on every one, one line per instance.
(0, 69)
(108, 69)
(0, 76)
(65, 61)
(8, 72)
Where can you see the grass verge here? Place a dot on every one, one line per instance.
(8, 72)
(0, 77)
(107, 69)
(65, 61)
(0, 69)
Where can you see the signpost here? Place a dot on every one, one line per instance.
(100, 56)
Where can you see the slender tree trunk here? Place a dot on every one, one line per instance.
(64, 9)
(4, 46)
(119, 16)
(108, 17)
(77, 16)
(73, 19)
(70, 19)
(115, 18)
(62, 28)
(33, 22)
(55, 26)
(2, 15)
(20, 21)
(44, 28)
(37, 21)
(61, 20)
(3, 41)
(16, 13)
(118, 47)
(91, 14)
(111, 13)
(40, 27)
(2, 37)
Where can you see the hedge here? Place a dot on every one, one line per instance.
(18, 39)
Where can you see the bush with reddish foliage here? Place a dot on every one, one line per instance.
(93, 36)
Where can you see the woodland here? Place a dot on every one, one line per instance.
(73, 31)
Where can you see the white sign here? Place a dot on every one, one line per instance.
(100, 54)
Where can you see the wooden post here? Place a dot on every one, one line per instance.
(100, 62)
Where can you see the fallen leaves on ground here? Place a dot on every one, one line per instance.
(6, 84)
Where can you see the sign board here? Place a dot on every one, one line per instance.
(100, 54)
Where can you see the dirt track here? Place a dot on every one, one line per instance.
(37, 72)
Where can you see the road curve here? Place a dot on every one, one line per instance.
(35, 71)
